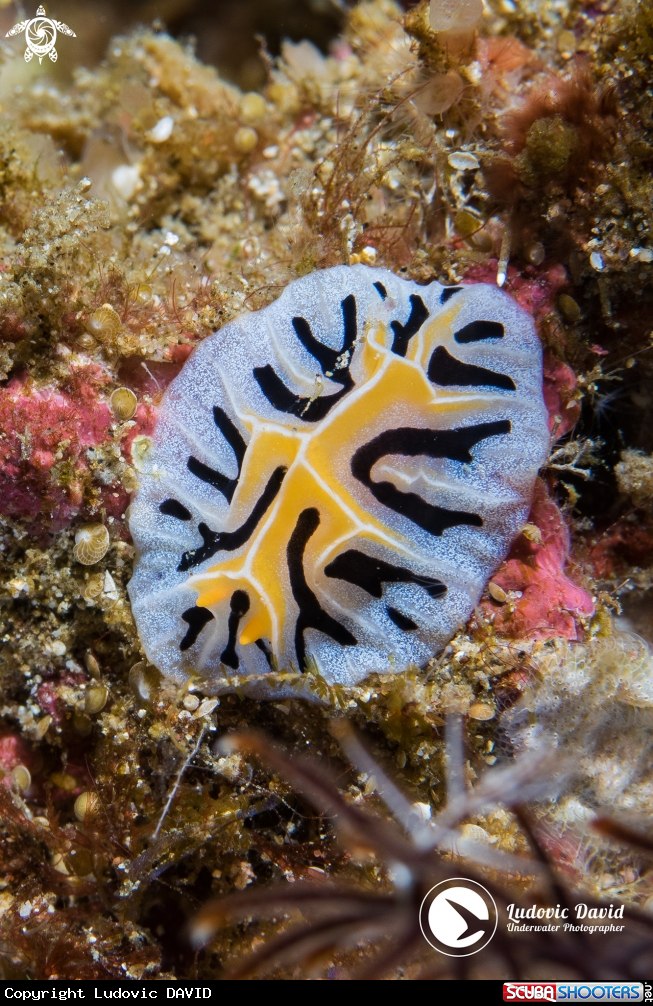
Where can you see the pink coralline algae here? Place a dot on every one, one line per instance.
(46, 478)
(13, 328)
(14, 751)
(534, 289)
(537, 290)
(546, 603)
(559, 388)
(42, 452)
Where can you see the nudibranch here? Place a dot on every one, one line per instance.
(334, 478)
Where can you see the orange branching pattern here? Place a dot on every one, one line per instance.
(344, 519)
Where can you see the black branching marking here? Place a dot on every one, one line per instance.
(216, 479)
(265, 649)
(350, 322)
(381, 290)
(476, 331)
(409, 442)
(401, 621)
(228, 541)
(219, 481)
(328, 358)
(173, 508)
(448, 293)
(239, 607)
(231, 433)
(334, 364)
(445, 369)
(196, 618)
(370, 574)
(311, 614)
(276, 392)
(404, 333)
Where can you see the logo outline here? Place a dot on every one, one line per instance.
(39, 27)
(466, 915)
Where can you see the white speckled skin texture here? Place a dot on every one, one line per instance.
(362, 454)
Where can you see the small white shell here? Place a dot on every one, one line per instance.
(86, 805)
(144, 680)
(95, 699)
(481, 711)
(104, 323)
(91, 543)
(123, 403)
(21, 778)
(462, 161)
(43, 726)
(92, 665)
(162, 131)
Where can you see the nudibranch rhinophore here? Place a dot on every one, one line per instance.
(334, 478)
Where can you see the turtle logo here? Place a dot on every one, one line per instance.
(40, 35)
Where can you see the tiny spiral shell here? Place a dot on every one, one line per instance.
(144, 680)
(123, 403)
(91, 543)
(535, 253)
(86, 805)
(569, 308)
(140, 451)
(104, 323)
(21, 778)
(96, 699)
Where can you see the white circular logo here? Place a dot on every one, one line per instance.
(458, 917)
(40, 35)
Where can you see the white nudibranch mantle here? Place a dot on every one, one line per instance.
(334, 478)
